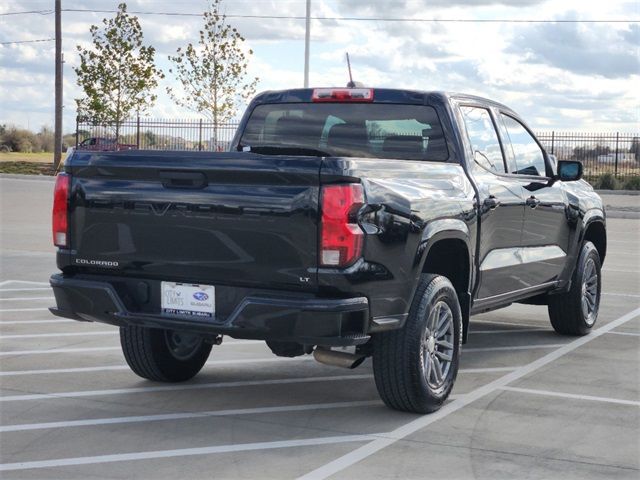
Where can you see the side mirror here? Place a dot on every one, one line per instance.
(569, 170)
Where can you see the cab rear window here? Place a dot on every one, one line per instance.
(411, 132)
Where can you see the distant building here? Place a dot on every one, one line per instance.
(623, 157)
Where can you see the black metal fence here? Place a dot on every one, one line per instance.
(617, 154)
(161, 134)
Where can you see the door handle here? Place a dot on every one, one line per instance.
(532, 202)
(491, 202)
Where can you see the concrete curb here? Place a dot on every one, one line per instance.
(623, 214)
(618, 192)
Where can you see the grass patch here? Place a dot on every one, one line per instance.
(27, 168)
(40, 157)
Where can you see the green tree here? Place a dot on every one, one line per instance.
(213, 73)
(118, 75)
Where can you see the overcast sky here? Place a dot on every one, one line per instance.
(562, 76)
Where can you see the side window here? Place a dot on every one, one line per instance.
(483, 138)
(529, 159)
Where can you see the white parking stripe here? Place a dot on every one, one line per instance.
(108, 368)
(34, 289)
(173, 388)
(113, 332)
(183, 452)
(410, 428)
(513, 347)
(631, 334)
(514, 330)
(496, 322)
(28, 322)
(573, 396)
(630, 295)
(186, 415)
(26, 282)
(59, 350)
(102, 349)
(25, 299)
(24, 309)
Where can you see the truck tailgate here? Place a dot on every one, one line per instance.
(210, 218)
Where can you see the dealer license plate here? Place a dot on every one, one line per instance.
(188, 299)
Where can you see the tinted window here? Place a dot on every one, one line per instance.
(529, 159)
(411, 132)
(483, 138)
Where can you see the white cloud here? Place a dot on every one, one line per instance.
(553, 74)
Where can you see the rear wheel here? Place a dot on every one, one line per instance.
(415, 367)
(163, 355)
(576, 311)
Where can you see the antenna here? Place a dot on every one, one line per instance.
(351, 83)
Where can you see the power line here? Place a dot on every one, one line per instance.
(28, 41)
(360, 19)
(346, 19)
(41, 12)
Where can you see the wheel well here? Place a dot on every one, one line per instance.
(597, 235)
(450, 258)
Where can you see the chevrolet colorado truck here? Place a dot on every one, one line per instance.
(343, 223)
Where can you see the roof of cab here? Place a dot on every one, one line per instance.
(381, 95)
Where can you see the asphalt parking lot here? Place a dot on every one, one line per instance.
(527, 404)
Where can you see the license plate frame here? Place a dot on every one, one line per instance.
(188, 300)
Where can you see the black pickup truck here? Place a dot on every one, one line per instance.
(374, 219)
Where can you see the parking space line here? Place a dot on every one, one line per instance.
(186, 415)
(108, 368)
(29, 322)
(26, 282)
(517, 330)
(24, 309)
(631, 334)
(495, 322)
(173, 388)
(59, 350)
(412, 427)
(618, 270)
(630, 295)
(184, 452)
(513, 347)
(56, 335)
(24, 299)
(571, 395)
(235, 343)
(34, 289)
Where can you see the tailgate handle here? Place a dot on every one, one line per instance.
(183, 179)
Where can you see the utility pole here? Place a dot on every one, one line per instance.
(57, 149)
(306, 44)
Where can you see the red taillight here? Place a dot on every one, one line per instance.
(340, 236)
(59, 215)
(342, 95)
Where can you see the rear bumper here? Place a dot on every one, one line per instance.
(252, 314)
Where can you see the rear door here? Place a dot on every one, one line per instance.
(209, 218)
(500, 206)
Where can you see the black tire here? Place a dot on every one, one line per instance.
(158, 355)
(566, 311)
(401, 357)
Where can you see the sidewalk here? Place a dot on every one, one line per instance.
(621, 204)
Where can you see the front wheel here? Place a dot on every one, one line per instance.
(415, 367)
(163, 355)
(576, 311)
